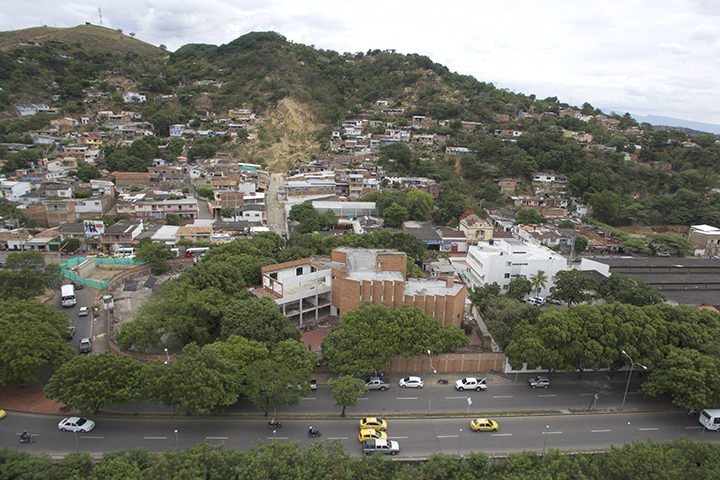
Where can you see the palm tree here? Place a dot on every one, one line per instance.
(538, 280)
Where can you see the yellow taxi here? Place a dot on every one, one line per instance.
(483, 425)
(2, 413)
(371, 434)
(373, 422)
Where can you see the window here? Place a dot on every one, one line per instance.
(299, 271)
(505, 287)
(507, 275)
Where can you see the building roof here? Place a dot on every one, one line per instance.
(191, 230)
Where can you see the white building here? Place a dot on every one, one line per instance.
(133, 97)
(502, 260)
(176, 130)
(12, 191)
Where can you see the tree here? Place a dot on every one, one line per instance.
(89, 382)
(70, 244)
(198, 382)
(632, 291)
(538, 280)
(26, 276)
(32, 337)
(172, 219)
(606, 206)
(528, 217)
(258, 319)
(634, 245)
(395, 215)
(176, 146)
(519, 287)
(566, 224)
(450, 205)
(309, 218)
(268, 384)
(573, 286)
(293, 353)
(346, 390)
(580, 244)
(155, 253)
(419, 205)
(205, 191)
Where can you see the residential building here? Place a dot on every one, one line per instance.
(12, 191)
(120, 235)
(475, 229)
(194, 233)
(706, 240)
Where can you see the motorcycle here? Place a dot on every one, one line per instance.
(273, 424)
(443, 381)
(27, 439)
(314, 433)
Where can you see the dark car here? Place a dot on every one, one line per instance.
(78, 285)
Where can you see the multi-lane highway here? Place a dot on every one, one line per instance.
(417, 437)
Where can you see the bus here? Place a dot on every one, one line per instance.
(67, 296)
(196, 252)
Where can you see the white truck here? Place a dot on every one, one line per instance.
(710, 418)
(388, 447)
(471, 383)
(67, 296)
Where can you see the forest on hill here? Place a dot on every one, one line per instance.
(630, 174)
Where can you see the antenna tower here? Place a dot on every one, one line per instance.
(100, 13)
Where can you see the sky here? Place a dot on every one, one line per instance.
(645, 57)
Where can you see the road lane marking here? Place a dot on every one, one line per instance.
(337, 438)
(552, 433)
(501, 434)
(405, 398)
(598, 431)
(155, 438)
(693, 428)
(587, 394)
(552, 395)
(455, 398)
(502, 396)
(647, 429)
(85, 436)
(447, 436)
(363, 398)
(393, 437)
(307, 398)
(216, 438)
(277, 438)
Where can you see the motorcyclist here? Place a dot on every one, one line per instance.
(273, 422)
(24, 436)
(312, 431)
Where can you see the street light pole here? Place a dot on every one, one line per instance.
(432, 379)
(547, 432)
(632, 364)
(459, 440)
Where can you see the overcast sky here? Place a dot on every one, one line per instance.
(654, 57)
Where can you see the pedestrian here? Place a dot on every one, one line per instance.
(309, 347)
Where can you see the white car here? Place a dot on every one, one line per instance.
(76, 424)
(471, 383)
(84, 311)
(412, 382)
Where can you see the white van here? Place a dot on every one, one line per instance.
(710, 418)
(125, 252)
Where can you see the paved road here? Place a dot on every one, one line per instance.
(417, 437)
(275, 208)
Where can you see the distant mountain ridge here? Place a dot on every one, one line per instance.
(657, 120)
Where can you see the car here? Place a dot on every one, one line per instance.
(85, 345)
(70, 332)
(471, 383)
(554, 301)
(76, 424)
(2, 413)
(413, 382)
(538, 382)
(84, 311)
(313, 384)
(78, 285)
(663, 254)
(377, 383)
(371, 434)
(483, 425)
(388, 447)
(537, 301)
(375, 423)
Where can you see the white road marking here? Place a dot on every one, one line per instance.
(363, 398)
(598, 431)
(216, 438)
(501, 434)
(277, 438)
(447, 436)
(587, 394)
(647, 429)
(553, 395)
(307, 398)
(693, 428)
(552, 433)
(155, 438)
(337, 438)
(502, 396)
(405, 398)
(455, 398)
(393, 437)
(86, 436)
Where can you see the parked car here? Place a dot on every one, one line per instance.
(412, 382)
(83, 312)
(70, 332)
(85, 345)
(313, 384)
(663, 254)
(76, 424)
(2, 413)
(371, 434)
(471, 383)
(377, 383)
(376, 423)
(539, 382)
(537, 301)
(388, 447)
(554, 301)
(78, 285)
(483, 425)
